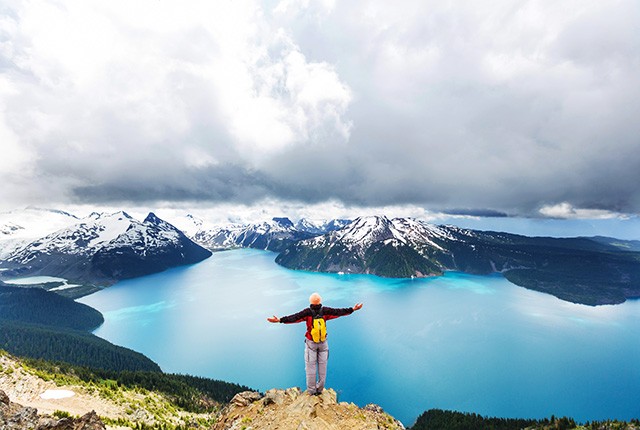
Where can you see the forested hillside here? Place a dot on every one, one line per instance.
(37, 306)
(41, 324)
(436, 419)
(71, 346)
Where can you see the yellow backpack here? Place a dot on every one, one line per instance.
(318, 327)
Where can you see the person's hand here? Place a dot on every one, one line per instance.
(273, 319)
(358, 306)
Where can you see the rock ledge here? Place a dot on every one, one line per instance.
(295, 410)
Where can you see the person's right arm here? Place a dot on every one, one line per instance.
(296, 318)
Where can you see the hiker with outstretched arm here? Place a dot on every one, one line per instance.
(316, 350)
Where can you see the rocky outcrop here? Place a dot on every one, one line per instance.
(89, 421)
(292, 409)
(17, 417)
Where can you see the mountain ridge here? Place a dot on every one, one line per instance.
(272, 235)
(580, 270)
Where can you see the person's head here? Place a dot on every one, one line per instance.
(315, 299)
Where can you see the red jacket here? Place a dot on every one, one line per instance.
(306, 315)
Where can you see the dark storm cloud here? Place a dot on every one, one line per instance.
(494, 108)
(220, 184)
(485, 213)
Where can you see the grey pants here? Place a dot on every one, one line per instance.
(316, 356)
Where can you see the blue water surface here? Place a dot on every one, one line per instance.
(460, 342)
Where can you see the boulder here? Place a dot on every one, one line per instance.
(245, 398)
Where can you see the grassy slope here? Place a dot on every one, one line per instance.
(137, 400)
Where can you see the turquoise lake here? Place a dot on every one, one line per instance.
(469, 343)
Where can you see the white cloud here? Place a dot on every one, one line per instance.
(292, 8)
(16, 156)
(16, 165)
(106, 93)
(567, 211)
(276, 99)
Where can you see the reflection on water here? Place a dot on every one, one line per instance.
(462, 342)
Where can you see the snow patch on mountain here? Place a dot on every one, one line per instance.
(33, 222)
(366, 230)
(321, 226)
(191, 224)
(109, 227)
(420, 232)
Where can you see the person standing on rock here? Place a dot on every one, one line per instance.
(316, 351)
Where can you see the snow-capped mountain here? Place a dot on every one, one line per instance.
(374, 244)
(401, 247)
(274, 235)
(21, 226)
(104, 248)
(321, 226)
(581, 270)
(190, 224)
(364, 231)
(33, 222)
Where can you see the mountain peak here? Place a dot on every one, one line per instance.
(370, 229)
(283, 221)
(196, 220)
(372, 221)
(94, 215)
(153, 219)
(293, 409)
(108, 215)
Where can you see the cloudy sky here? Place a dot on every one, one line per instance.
(518, 107)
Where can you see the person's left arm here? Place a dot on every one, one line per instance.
(332, 313)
